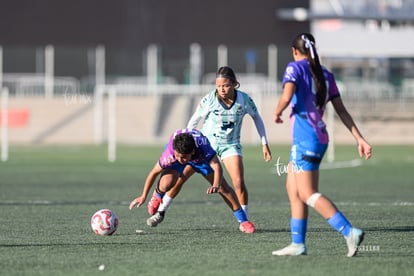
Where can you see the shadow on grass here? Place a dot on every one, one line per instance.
(390, 229)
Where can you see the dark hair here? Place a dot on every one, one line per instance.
(228, 73)
(305, 44)
(184, 143)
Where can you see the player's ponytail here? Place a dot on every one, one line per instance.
(305, 43)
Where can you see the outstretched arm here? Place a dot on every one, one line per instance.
(364, 149)
(218, 175)
(152, 175)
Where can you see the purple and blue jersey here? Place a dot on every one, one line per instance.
(309, 135)
(199, 160)
(306, 118)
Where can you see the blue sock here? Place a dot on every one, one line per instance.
(298, 230)
(340, 223)
(240, 215)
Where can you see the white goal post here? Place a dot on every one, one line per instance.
(4, 124)
(105, 109)
(105, 99)
(100, 93)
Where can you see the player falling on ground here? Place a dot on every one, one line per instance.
(222, 110)
(191, 147)
(307, 87)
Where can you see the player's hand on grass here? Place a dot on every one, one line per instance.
(137, 202)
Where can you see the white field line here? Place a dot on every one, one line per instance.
(341, 164)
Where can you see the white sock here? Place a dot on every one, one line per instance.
(166, 202)
(246, 209)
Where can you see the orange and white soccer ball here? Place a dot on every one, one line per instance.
(104, 222)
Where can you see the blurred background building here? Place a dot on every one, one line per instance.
(55, 54)
(127, 27)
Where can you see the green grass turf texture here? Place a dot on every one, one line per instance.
(49, 193)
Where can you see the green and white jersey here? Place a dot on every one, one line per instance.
(222, 125)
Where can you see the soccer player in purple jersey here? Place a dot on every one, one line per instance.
(308, 87)
(190, 147)
(222, 111)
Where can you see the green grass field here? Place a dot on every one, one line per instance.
(48, 195)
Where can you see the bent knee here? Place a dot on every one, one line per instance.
(311, 199)
(304, 196)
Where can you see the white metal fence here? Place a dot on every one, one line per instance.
(24, 84)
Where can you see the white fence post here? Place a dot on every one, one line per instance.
(196, 61)
(49, 70)
(98, 114)
(4, 124)
(112, 125)
(152, 64)
(100, 65)
(222, 56)
(272, 63)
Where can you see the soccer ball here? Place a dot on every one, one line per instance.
(104, 222)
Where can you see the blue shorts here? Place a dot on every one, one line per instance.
(202, 168)
(307, 156)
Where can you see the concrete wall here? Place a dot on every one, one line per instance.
(150, 119)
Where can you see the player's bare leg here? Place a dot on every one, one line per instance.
(187, 173)
(307, 184)
(299, 214)
(167, 180)
(235, 169)
(173, 192)
(302, 190)
(229, 196)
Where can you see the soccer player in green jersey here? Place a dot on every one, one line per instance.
(223, 110)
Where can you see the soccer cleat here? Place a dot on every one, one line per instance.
(293, 249)
(154, 203)
(156, 219)
(355, 238)
(247, 227)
